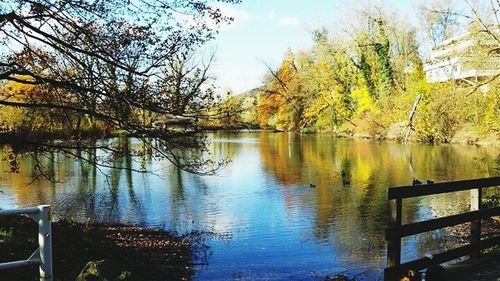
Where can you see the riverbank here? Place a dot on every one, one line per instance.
(148, 254)
(395, 134)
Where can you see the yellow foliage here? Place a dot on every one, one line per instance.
(363, 100)
(17, 118)
(15, 91)
(267, 107)
(492, 111)
(332, 91)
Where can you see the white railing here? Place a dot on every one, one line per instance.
(43, 255)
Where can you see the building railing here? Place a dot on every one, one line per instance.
(43, 255)
(397, 230)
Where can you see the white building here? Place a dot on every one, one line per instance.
(468, 57)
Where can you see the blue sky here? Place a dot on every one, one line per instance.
(264, 29)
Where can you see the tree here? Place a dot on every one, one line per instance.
(440, 19)
(280, 104)
(111, 62)
(23, 119)
(328, 79)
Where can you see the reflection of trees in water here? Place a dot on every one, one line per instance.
(352, 177)
(189, 206)
(22, 184)
(489, 166)
(95, 192)
(123, 176)
(224, 146)
(177, 202)
(452, 162)
(86, 193)
(186, 191)
(98, 194)
(349, 216)
(87, 184)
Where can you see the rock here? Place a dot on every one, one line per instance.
(397, 131)
(102, 271)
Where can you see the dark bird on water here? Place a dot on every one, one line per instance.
(312, 185)
(430, 181)
(416, 182)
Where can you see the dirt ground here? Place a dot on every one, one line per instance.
(149, 254)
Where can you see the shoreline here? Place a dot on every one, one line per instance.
(9, 138)
(483, 143)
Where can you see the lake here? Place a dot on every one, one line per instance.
(266, 220)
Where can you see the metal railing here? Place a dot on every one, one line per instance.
(397, 230)
(43, 255)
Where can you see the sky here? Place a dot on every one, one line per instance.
(263, 30)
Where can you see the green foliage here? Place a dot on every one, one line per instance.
(368, 83)
(382, 51)
(235, 111)
(366, 71)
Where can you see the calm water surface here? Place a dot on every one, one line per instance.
(269, 224)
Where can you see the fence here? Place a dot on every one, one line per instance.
(397, 230)
(43, 255)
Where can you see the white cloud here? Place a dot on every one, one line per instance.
(289, 21)
(238, 77)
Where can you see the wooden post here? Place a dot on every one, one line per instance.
(475, 227)
(394, 245)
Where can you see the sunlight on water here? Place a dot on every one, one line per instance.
(270, 223)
